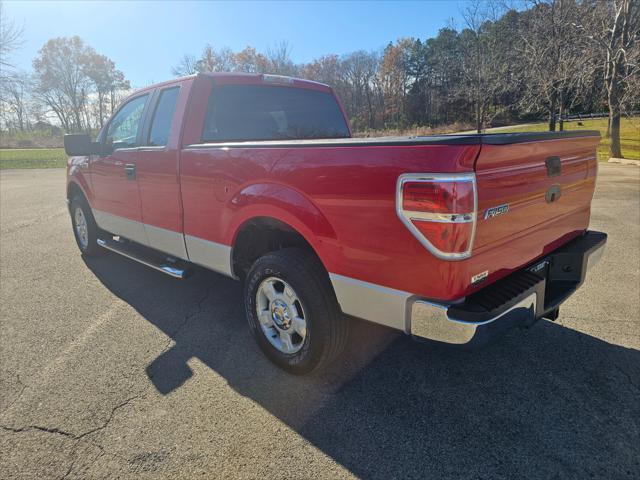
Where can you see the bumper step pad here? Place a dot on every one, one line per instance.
(498, 297)
(536, 291)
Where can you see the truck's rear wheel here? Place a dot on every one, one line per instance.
(292, 311)
(85, 229)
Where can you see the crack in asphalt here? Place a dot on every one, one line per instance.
(22, 389)
(185, 320)
(77, 438)
(28, 428)
(111, 415)
(74, 436)
(73, 462)
(626, 374)
(36, 221)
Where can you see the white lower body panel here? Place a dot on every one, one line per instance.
(166, 241)
(372, 302)
(212, 255)
(117, 225)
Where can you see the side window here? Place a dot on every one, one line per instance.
(163, 117)
(123, 128)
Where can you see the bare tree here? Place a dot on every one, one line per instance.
(106, 79)
(188, 65)
(359, 87)
(482, 61)
(61, 81)
(10, 40)
(551, 57)
(16, 101)
(279, 57)
(80, 86)
(393, 74)
(613, 28)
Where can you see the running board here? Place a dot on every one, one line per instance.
(144, 256)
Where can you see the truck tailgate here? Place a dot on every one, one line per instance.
(537, 189)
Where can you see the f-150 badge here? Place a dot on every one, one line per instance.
(495, 211)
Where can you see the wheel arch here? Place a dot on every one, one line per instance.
(75, 187)
(261, 234)
(281, 214)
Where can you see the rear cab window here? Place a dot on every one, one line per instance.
(261, 112)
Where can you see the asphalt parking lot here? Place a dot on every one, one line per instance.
(109, 369)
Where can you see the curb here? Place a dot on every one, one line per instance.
(624, 161)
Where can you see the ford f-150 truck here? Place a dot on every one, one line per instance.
(451, 238)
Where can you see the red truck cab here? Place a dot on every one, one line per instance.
(450, 238)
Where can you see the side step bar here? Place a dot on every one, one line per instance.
(144, 256)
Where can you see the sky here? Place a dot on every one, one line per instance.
(145, 39)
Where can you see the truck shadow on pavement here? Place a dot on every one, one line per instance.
(542, 403)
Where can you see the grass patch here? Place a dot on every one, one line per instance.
(414, 131)
(49, 138)
(33, 158)
(629, 134)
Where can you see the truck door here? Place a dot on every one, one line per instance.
(116, 205)
(158, 172)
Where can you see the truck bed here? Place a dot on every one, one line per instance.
(450, 139)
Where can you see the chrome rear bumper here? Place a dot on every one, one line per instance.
(432, 321)
(466, 323)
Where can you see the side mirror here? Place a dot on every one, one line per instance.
(80, 144)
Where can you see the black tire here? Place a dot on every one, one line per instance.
(326, 329)
(91, 248)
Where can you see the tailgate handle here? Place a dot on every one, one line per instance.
(553, 194)
(554, 166)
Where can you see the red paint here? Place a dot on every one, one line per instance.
(342, 199)
(112, 192)
(158, 172)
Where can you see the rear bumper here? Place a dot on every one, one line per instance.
(523, 297)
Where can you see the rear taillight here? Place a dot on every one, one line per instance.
(440, 211)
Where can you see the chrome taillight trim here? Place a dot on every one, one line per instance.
(406, 216)
(439, 217)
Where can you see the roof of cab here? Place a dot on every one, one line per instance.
(265, 78)
(243, 78)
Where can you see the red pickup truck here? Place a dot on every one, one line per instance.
(451, 238)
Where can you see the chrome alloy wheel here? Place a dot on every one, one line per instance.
(281, 315)
(82, 230)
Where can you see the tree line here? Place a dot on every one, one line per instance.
(70, 81)
(500, 66)
(70, 85)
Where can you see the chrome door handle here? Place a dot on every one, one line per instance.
(130, 171)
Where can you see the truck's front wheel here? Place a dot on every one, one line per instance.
(85, 229)
(292, 311)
